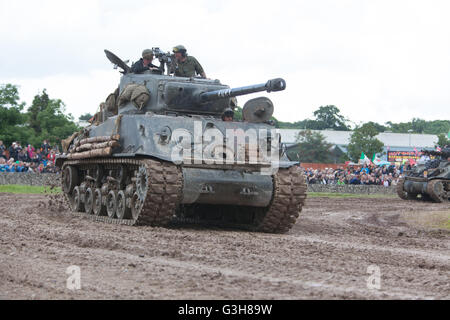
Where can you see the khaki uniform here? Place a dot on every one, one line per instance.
(188, 68)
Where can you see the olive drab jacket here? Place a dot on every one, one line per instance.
(188, 68)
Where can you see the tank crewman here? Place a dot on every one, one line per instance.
(145, 63)
(186, 66)
(228, 115)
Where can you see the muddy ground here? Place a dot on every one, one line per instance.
(325, 256)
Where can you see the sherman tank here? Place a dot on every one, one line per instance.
(158, 152)
(429, 180)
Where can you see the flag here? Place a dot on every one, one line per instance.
(378, 162)
(438, 149)
(363, 159)
(375, 159)
(415, 150)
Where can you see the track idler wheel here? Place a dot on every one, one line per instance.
(98, 208)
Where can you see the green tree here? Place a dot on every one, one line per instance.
(363, 140)
(420, 126)
(12, 119)
(311, 148)
(40, 102)
(48, 119)
(379, 127)
(443, 140)
(437, 127)
(329, 117)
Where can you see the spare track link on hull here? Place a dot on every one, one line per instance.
(161, 196)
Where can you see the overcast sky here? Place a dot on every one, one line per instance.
(375, 60)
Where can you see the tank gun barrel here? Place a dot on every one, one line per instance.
(277, 84)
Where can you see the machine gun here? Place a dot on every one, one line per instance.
(165, 59)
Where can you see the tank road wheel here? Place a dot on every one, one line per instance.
(123, 212)
(437, 192)
(89, 201)
(75, 203)
(111, 203)
(98, 208)
(136, 206)
(69, 179)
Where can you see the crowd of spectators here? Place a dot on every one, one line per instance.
(367, 174)
(28, 159)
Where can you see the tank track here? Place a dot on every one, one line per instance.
(288, 200)
(162, 193)
(439, 190)
(158, 204)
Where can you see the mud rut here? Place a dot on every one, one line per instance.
(325, 255)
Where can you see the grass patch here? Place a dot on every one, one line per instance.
(446, 224)
(428, 219)
(15, 188)
(348, 195)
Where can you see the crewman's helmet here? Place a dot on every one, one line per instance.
(180, 49)
(147, 54)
